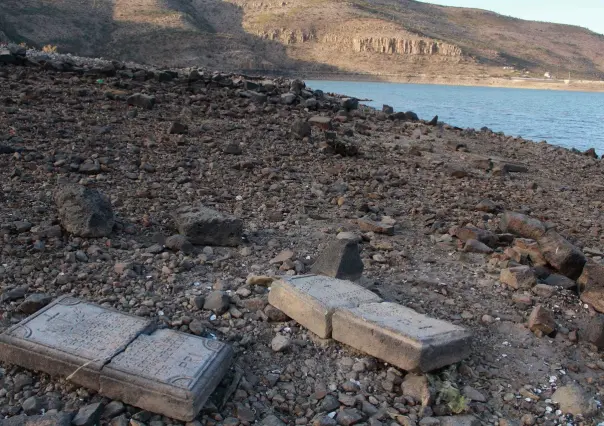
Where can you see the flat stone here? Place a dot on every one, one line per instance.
(167, 372)
(459, 421)
(70, 337)
(56, 419)
(368, 225)
(557, 280)
(401, 336)
(340, 259)
(272, 420)
(311, 300)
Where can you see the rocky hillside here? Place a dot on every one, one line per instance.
(324, 36)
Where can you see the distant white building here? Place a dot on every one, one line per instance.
(547, 75)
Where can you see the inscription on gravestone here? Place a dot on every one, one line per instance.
(84, 330)
(172, 372)
(169, 357)
(333, 291)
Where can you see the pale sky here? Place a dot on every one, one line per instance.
(585, 13)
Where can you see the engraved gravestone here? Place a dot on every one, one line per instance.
(312, 299)
(120, 356)
(401, 336)
(71, 336)
(168, 372)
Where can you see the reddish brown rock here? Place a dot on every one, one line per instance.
(595, 298)
(522, 225)
(522, 299)
(368, 225)
(530, 249)
(518, 277)
(592, 275)
(541, 321)
(561, 254)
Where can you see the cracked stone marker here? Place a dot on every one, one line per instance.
(167, 372)
(70, 337)
(312, 299)
(401, 336)
(120, 356)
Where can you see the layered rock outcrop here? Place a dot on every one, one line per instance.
(386, 45)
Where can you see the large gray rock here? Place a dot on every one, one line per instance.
(205, 226)
(84, 212)
(340, 259)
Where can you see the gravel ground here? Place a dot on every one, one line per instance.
(67, 121)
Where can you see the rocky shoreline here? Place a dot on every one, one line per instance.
(296, 169)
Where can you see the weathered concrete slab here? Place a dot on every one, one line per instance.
(312, 299)
(71, 336)
(120, 356)
(401, 336)
(167, 372)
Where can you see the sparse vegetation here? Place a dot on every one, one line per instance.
(447, 391)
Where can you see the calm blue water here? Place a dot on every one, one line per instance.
(570, 119)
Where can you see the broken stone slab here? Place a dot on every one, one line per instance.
(401, 336)
(561, 254)
(120, 356)
(312, 299)
(340, 259)
(522, 225)
(71, 338)
(167, 372)
(205, 226)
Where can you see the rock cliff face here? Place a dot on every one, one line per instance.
(393, 46)
(386, 45)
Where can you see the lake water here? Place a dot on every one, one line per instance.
(569, 119)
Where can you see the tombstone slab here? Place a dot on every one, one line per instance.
(312, 299)
(71, 337)
(401, 336)
(167, 372)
